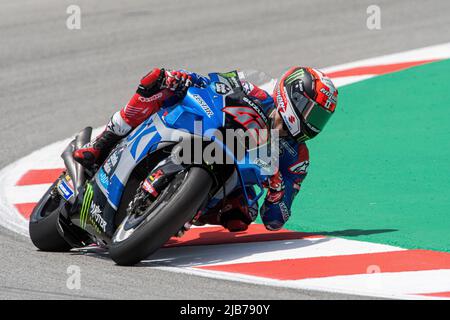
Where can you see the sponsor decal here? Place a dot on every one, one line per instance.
(286, 146)
(222, 88)
(331, 99)
(69, 182)
(262, 164)
(96, 217)
(87, 199)
(311, 127)
(284, 211)
(150, 99)
(290, 118)
(147, 186)
(295, 75)
(248, 87)
(234, 82)
(252, 104)
(111, 162)
(103, 178)
(300, 168)
(204, 105)
(65, 190)
(327, 81)
(280, 102)
(300, 86)
(232, 78)
(230, 74)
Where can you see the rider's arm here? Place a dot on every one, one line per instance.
(147, 100)
(284, 186)
(256, 92)
(156, 89)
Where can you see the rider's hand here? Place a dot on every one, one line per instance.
(276, 188)
(151, 82)
(177, 81)
(157, 79)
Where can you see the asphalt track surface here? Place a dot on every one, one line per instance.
(54, 81)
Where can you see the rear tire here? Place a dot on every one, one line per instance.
(43, 226)
(164, 221)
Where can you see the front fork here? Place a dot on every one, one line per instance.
(160, 176)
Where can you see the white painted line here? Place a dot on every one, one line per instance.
(391, 283)
(264, 251)
(10, 218)
(437, 52)
(343, 81)
(287, 284)
(26, 194)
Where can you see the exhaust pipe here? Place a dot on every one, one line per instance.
(74, 169)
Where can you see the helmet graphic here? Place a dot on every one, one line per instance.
(305, 98)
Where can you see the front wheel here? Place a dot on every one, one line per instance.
(144, 231)
(44, 221)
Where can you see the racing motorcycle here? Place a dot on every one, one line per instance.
(142, 194)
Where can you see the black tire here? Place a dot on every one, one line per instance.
(43, 226)
(165, 220)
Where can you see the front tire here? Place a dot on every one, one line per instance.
(43, 226)
(162, 222)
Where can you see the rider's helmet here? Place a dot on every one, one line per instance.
(305, 98)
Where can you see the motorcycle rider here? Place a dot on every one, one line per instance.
(303, 100)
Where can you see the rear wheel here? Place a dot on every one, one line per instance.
(149, 225)
(44, 221)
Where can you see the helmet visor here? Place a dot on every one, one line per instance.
(313, 113)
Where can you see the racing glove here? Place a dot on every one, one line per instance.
(177, 81)
(158, 79)
(275, 188)
(274, 211)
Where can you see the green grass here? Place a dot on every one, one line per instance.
(380, 171)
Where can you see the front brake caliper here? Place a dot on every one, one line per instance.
(155, 182)
(161, 175)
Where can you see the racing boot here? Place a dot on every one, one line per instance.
(96, 151)
(233, 215)
(235, 220)
(240, 216)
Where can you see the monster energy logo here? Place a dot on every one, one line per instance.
(297, 74)
(230, 74)
(232, 78)
(88, 195)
